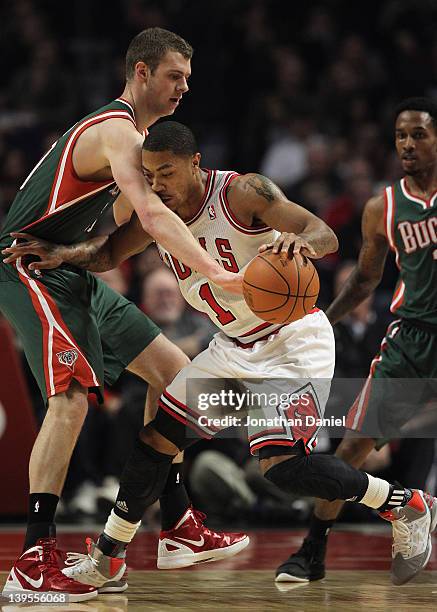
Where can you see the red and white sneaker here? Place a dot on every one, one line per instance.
(37, 571)
(190, 542)
(412, 526)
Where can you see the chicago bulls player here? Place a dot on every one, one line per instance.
(233, 217)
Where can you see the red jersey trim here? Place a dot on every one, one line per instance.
(128, 104)
(424, 202)
(67, 205)
(65, 177)
(230, 215)
(209, 187)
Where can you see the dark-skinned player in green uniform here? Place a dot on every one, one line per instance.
(403, 218)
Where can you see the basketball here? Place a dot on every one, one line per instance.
(280, 291)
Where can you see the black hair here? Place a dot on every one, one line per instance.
(171, 136)
(423, 105)
(150, 46)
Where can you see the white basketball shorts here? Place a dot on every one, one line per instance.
(277, 388)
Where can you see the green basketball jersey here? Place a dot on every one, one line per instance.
(53, 203)
(411, 227)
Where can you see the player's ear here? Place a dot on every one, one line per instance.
(142, 71)
(196, 160)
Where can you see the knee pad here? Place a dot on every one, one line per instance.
(323, 476)
(142, 481)
(168, 426)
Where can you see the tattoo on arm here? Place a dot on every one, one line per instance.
(263, 187)
(94, 255)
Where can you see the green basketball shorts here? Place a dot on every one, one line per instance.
(72, 326)
(401, 382)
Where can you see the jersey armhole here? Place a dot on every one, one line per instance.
(231, 216)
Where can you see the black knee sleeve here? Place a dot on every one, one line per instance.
(322, 476)
(174, 430)
(142, 482)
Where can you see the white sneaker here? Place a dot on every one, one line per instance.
(412, 527)
(108, 574)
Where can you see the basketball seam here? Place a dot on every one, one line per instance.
(266, 290)
(276, 270)
(297, 290)
(305, 292)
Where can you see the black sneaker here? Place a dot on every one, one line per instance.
(305, 565)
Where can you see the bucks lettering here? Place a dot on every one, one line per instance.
(411, 227)
(418, 235)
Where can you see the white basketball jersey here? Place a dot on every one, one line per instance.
(233, 245)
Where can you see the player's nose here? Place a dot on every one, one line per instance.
(157, 187)
(183, 86)
(409, 143)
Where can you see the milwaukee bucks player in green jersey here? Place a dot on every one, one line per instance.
(76, 332)
(404, 219)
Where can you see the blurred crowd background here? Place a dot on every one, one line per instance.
(303, 94)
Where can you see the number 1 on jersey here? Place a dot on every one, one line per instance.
(224, 316)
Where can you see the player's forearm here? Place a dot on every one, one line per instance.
(356, 289)
(94, 255)
(173, 235)
(321, 237)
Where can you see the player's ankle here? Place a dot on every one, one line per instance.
(397, 498)
(319, 528)
(111, 547)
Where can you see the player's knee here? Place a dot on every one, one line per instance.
(157, 441)
(283, 471)
(167, 430)
(70, 407)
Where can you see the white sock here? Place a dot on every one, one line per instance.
(119, 529)
(377, 492)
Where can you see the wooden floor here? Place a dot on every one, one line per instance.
(358, 578)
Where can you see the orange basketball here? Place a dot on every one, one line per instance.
(280, 291)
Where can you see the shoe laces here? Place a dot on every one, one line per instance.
(78, 561)
(48, 556)
(200, 516)
(402, 537)
(74, 558)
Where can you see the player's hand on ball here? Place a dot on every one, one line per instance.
(50, 254)
(289, 244)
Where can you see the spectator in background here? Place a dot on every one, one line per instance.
(358, 335)
(321, 180)
(162, 301)
(345, 211)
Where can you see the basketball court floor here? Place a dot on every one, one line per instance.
(358, 577)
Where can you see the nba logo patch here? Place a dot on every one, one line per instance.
(211, 212)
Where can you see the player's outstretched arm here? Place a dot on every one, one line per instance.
(259, 199)
(97, 254)
(367, 274)
(122, 148)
